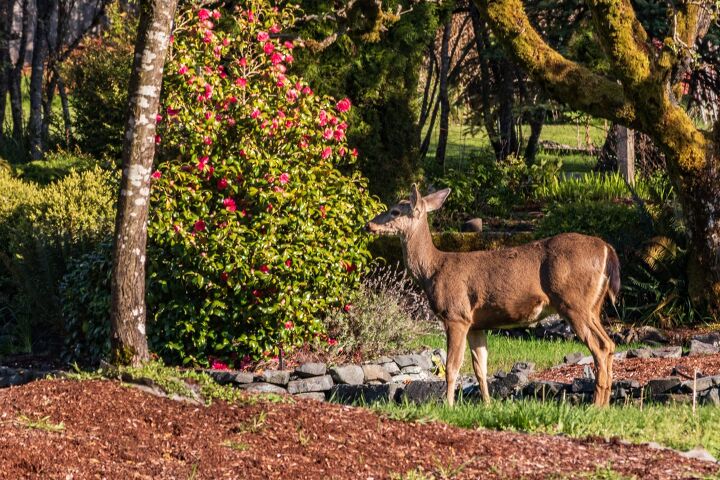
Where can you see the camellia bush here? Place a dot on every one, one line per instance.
(257, 214)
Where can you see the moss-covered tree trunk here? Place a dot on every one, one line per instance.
(127, 307)
(644, 95)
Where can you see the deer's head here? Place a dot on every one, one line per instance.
(405, 216)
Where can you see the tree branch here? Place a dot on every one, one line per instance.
(564, 80)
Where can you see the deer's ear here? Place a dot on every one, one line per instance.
(415, 197)
(435, 200)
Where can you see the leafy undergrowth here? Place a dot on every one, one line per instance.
(673, 426)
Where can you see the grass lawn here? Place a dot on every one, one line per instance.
(504, 351)
(669, 425)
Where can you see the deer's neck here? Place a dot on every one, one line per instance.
(421, 256)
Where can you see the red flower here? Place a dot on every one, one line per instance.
(338, 134)
(158, 118)
(347, 307)
(349, 267)
(183, 70)
(222, 184)
(264, 268)
(207, 140)
(230, 204)
(156, 174)
(203, 14)
(289, 58)
(331, 341)
(275, 28)
(171, 111)
(327, 151)
(241, 82)
(218, 365)
(255, 113)
(323, 212)
(289, 45)
(224, 276)
(289, 325)
(216, 14)
(276, 58)
(199, 226)
(202, 163)
(343, 105)
(288, 263)
(284, 178)
(243, 62)
(251, 16)
(262, 36)
(327, 134)
(268, 48)
(354, 152)
(157, 139)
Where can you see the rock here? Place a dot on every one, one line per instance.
(639, 353)
(651, 335)
(620, 355)
(710, 397)
(588, 372)
(375, 373)
(391, 367)
(318, 396)
(381, 360)
(712, 338)
(442, 354)
(544, 389)
(424, 391)
(500, 374)
(586, 360)
(412, 369)
(525, 367)
(262, 387)
(508, 385)
(311, 369)
(227, 377)
(554, 326)
(365, 393)
(348, 374)
(472, 225)
(674, 398)
(311, 384)
(413, 360)
(703, 383)
(276, 377)
(573, 358)
(699, 453)
(583, 385)
(667, 352)
(662, 385)
(700, 348)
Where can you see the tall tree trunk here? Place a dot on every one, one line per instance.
(16, 77)
(429, 90)
(425, 146)
(127, 307)
(443, 94)
(506, 95)
(6, 8)
(47, 101)
(67, 121)
(537, 120)
(37, 76)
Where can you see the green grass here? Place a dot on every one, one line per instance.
(504, 351)
(674, 426)
(43, 423)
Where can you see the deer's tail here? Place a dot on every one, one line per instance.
(612, 271)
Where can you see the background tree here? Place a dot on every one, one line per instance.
(644, 93)
(127, 306)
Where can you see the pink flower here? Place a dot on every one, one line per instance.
(262, 37)
(157, 139)
(264, 268)
(243, 62)
(229, 204)
(203, 14)
(158, 118)
(202, 163)
(327, 133)
(269, 207)
(171, 111)
(327, 151)
(289, 58)
(183, 70)
(322, 118)
(284, 178)
(289, 325)
(268, 48)
(156, 174)
(250, 16)
(342, 151)
(216, 14)
(338, 134)
(222, 184)
(343, 105)
(241, 82)
(288, 263)
(225, 42)
(323, 211)
(331, 341)
(218, 365)
(207, 140)
(354, 152)
(199, 226)
(276, 58)
(307, 91)
(275, 28)
(289, 45)
(291, 95)
(255, 113)
(347, 307)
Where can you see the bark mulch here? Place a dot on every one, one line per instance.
(642, 369)
(113, 431)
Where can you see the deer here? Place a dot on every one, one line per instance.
(472, 292)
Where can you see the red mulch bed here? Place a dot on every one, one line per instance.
(642, 369)
(112, 431)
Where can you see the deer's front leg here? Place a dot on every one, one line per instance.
(456, 334)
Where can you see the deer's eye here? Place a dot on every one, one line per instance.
(394, 213)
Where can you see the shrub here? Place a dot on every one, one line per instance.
(587, 187)
(255, 232)
(55, 165)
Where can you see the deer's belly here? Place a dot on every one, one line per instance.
(488, 317)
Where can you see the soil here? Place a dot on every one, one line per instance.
(642, 369)
(114, 431)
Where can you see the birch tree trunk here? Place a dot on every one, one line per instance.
(40, 53)
(127, 308)
(444, 98)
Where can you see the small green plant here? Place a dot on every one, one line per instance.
(235, 445)
(588, 187)
(414, 474)
(41, 423)
(254, 425)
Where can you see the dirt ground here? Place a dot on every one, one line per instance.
(114, 431)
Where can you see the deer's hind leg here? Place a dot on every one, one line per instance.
(478, 349)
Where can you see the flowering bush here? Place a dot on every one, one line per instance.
(255, 230)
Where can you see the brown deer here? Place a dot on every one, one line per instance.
(472, 292)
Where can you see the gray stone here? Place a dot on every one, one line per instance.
(311, 369)
(662, 385)
(276, 377)
(364, 393)
(375, 373)
(620, 355)
(586, 360)
(700, 348)
(223, 377)
(711, 397)
(588, 372)
(699, 453)
(712, 338)
(423, 391)
(442, 354)
(311, 384)
(421, 361)
(544, 389)
(262, 387)
(348, 374)
(553, 326)
(583, 385)
(639, 353)
(667, 352)
(391, 367)
(509, 384)
(702, 384)
(318, 396)
(525, 367)
(573, 358)
(673, 398)
(651, 335)
(381, 360)
(412, 369)
(402, 378)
